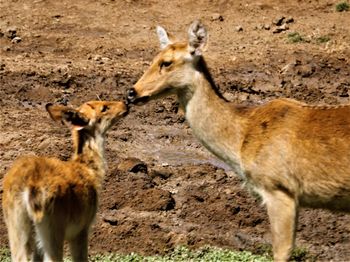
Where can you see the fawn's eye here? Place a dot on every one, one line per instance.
(104, 108)
(165, 64)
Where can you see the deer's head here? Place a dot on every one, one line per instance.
(93, 116)
(174, 68)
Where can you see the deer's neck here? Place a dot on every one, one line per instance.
(216, 123)
(89, 150)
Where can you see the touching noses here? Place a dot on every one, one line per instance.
(130, 95)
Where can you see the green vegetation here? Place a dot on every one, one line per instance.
(295, 37)
(343, 6)
(5, 255)
(301, 254)
(322, 39)
(180, 254)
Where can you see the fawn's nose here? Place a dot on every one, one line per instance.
(130, 95)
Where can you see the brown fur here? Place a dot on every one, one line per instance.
(54, 199)
(290, 153)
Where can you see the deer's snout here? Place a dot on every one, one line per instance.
(130, 95)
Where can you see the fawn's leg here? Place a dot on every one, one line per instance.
(283, 211)
(19, 231)
(51, 238)
(79, 246)
(37, 255)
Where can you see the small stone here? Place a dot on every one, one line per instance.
(110, 218)
(7, 48)
(306, 70)
(133, 165)
(11, 32)
(97, 58)
(284, 27)
(16, 40)
(239, 28)
(289, 20)
(44, 144)
(161, 173)
(280, 29)
(216, 17)
(266, 27)
(278, 21)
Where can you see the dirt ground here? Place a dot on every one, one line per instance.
(74, 51)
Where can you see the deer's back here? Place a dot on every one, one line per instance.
(305, 150)
(66, 188)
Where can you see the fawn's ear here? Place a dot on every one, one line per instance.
(67, 115)
(163, 37)
(197, 38)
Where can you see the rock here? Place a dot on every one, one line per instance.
(16, 40)
(306, 70)
(284, 27)
(278, 21)
(111, 217)
(161, 173)
(266, 27)
(44, 144)
(239, 28)
(11, 32)
(280, 29)
(289, 20)
(133, 165)
(216, 17)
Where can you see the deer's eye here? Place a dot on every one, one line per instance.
(165, 64)
(104, 108)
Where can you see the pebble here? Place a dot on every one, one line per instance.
(217, 16)
(239, 28)
(11, 32)
(280, 29)
(16, 40)
(289, 20)
(279, 21)
(133, 165)
(266, 27)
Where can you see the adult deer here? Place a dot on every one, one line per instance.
(291, 154)
(57, 200)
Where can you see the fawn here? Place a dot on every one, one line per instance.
(290, 153)
(54, 200)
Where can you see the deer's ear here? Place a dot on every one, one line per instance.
(197, 38)
(67, 115)
(163, 37)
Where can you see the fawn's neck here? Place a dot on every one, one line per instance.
(89, 150)
(217, 124)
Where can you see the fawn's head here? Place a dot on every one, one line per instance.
(173, 68)
(96, 117)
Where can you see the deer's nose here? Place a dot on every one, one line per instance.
(130, 95)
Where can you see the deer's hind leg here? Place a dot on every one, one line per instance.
(283, 212)
(79, 246)
(20, 231)
(51, 239)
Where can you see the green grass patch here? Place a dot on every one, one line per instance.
(5, 255)
(342, 7)
(295, 37)
(184, 254)
(322, 39)
(180, 254)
